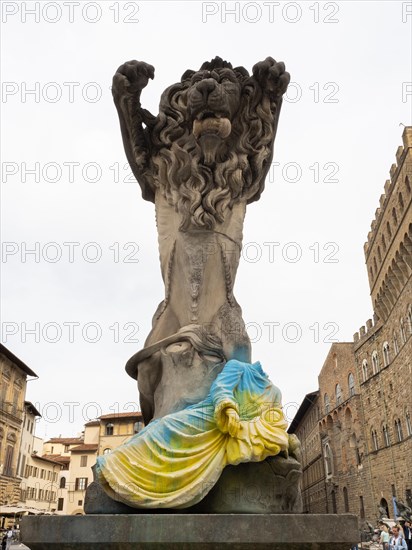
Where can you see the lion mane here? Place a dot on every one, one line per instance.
(202, 192)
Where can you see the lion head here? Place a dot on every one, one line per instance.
(212, 142)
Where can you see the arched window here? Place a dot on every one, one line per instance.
(395, 343)
(400, 199)
(109, 429)
(326, 403)
(394, 217)
(334, 506)
(383, 242)
(62, 483)
(388, 229)
(364, 370)
(107, 451)
(407, 184)
(338, 394)
(386, 437)
(346, 499)
(327, 453)
(386, 358)
(398, 429)
(408, 423)
(403, 332)
(375, 442)
(375, 362)
(351, 384)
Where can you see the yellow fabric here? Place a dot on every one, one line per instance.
(177, 459)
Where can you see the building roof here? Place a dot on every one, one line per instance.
(18, 362)
(85, 448)
(308, 400)
(57, 458)
(29, 405)
(46, 458)
(66, 440)
(93, 423)
(136, 414)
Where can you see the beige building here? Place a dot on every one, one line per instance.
(78, 455)
(13, 379)
(364, 404)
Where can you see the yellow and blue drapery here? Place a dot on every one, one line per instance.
(175, 460)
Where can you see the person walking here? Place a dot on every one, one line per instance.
(384, 538)
(407, 530)
(397, 541)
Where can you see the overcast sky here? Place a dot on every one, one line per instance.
(301, 283)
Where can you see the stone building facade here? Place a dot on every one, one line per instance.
(13, 379)
(364, 401)
(383, 349)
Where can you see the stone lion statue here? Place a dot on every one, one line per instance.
(201, 160)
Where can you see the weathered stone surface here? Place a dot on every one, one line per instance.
(268, 487)
(188, 531)
(201, 160)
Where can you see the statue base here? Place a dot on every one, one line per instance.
(268, 487)
(190, 531)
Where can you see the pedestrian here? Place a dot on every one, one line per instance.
(9, 538)
(384, 538)
(397, 541)
(4, 541)
(407, 530)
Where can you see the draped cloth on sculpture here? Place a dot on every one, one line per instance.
(175, 460)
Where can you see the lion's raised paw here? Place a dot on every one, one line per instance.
(272, 76)
(132, 77)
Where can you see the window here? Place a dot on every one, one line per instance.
(346, 499)
(386, 358)
(394, 216)
(375, 442)
(66, 448)
(338, 393)
(403, 332)
(62, 483)
(42, 473)
(35, 471)
(327, 453)
(408, 185)
(383, 242)
(386, 437)
(8, 462)
(81, 484)
(364, 370)
(401, 203)
(109, 429)
(351, 384)
(379, 254)
(375, 362)
(137, 427)
(79, 503)
(334, 506)
(408, 424)
(60, 504)
(361, 508)
(41, 494)
(327, 404)
(395, 343)
(398, 429)
(83, 461)
(388, 229)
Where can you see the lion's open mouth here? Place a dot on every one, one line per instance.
(208, 123)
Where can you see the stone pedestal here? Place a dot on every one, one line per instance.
(190, 531)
